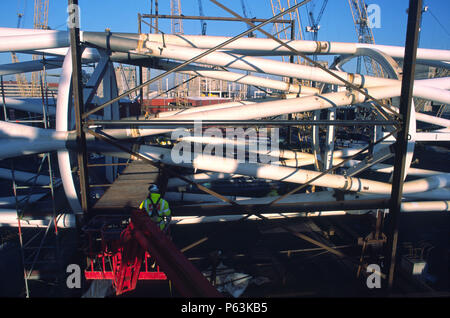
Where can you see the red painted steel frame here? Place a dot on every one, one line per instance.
(186, 278)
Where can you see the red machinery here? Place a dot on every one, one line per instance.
(124, 249)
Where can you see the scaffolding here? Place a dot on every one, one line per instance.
(36, 247)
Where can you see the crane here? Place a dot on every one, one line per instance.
(177, 28)
(314, 27)
(202, 22)
(40, 22)
(244, 11)
(175, 9)
(365, 35)
(20, 77)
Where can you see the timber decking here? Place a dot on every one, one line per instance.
(131, 187)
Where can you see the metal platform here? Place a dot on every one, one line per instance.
(130, 188)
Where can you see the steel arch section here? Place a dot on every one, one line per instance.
(65, 116)
(65, 122)
(391, 68)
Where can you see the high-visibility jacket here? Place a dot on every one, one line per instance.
(162, 215)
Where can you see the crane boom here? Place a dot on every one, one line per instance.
(244, 12)
(177, 24)
(40, 22)
(202, 22)
(20, 78)
(365, 35)
(314, 27)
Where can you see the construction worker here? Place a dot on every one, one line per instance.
(273, 191)
(157, 208)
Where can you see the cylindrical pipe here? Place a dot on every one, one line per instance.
(255, 64)
(241, 78)
(288, 69)
(433, 120)
(13, 130)
(33, 105)
(185, 220)
(26, 177)
(48, 40)
(11, 201)
(9, 218)
(20, 147)
(406, 207)
(22, 31)
(426, 206)
(202, 108)
(384, 168)
(294, 175)
(263, 46)
(266, 109)
(30, 66)
(198, 197)
(201, 178)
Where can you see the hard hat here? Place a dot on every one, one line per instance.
(153, 188)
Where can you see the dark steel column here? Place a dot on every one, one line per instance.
(79, 107)
(291, 81)
(412, 35)
(141, 91)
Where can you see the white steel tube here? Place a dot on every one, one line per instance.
(8, 217)
(47, 40)
(185, 220)
(33, 105)
(280, 153)
(13, 130)
(421, 206)
(261, 65)
(294, 175)
(11, 201)
(384, 168)
(266, 109)
(433, 120)
(262, 46)
(438, 82)
(26, 177)
(201, 178)
(426, 206)
(29, 66)
(200, 197)
(22, 31)
(63, 123)
(241, 78)
(202, 108)
(19, 147)
(273, 67)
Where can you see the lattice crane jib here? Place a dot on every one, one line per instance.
(365, 35)
(40, 21)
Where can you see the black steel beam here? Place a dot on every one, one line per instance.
(189, 122)
(186, 17)
(401, 144)
(226, 209)
(255, 209)
(77, 89)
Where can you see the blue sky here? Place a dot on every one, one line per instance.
(336, 24)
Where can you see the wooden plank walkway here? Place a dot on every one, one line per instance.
(131, 187)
